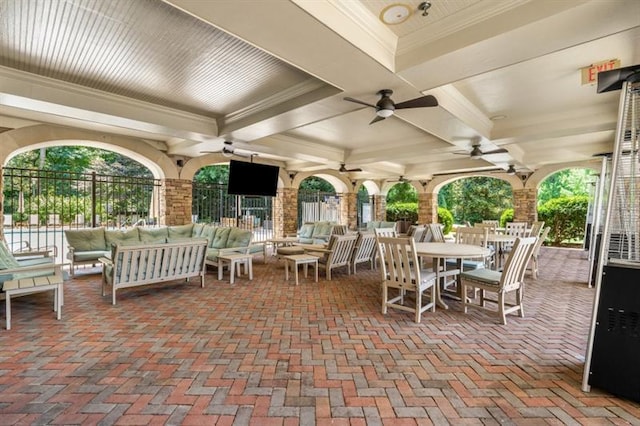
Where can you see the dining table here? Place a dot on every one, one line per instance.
(438, 251)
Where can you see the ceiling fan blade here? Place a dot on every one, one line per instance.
(421, 102)
(354, 170)
(359, 102)
(376, 119)
(496, 151)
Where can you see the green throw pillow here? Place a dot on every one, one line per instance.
(238, 238)
(221, 237)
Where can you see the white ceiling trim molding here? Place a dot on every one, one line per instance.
(300, 149)
(353, 21)
(460, 107)
(46, 95)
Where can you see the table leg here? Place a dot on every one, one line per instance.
(8, 311)
(232, 270)
(250, 264)
(438, 293)
(220, 266)
(286, 269)
(316, 267)
(295, 265)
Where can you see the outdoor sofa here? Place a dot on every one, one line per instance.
(88, 245)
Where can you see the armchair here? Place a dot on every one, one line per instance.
(337, 254)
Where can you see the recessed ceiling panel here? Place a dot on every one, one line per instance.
(142, 49)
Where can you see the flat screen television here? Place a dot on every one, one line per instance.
(252, 179)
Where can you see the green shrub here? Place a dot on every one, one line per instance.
(566, 217)
(507, 216)
(445, 218)
(402, 211)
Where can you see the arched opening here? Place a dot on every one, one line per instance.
(402, 205)
(475, 198)
(318, 200)
(212, 204)
(48, 190)
(565, 204)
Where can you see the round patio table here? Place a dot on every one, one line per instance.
(439, 251)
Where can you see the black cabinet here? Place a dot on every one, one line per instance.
(615, 362)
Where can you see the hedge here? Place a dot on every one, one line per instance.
(566, 217)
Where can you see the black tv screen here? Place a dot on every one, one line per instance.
(252, 179)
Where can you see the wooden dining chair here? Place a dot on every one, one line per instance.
(533, 263)
(476, 236)
(509, 280)
(365, 250)
(434, 233)
(401, 274)
(385, 232)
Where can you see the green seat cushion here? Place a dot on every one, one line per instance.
(86, 239)
(322, 229)
(196, 230)
(487, 276)
(220, 238)
(212, 254)
(153, 235)
(130, 236)
(238, 238)
(181, 231)
(85, 256)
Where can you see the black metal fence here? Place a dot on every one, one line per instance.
(211, 204)
(39, 205)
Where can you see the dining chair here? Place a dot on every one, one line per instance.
(364, 250)
(476, 236)
(533, 263)
(419, 233)
(514, 229)
(385, 232)
(536, 228)
(501, 283)
(434, 233)
(401, 274)
(338, 253)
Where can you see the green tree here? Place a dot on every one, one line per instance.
(213, 174)
(475, 198)
(402, 192)
(565, 183)
(314, 183)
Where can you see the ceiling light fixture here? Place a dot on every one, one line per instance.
(395, 14)
(385, 113)
(424, 7)
(511, 170)
(227, 152)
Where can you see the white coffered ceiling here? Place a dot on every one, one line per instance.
(271, 76)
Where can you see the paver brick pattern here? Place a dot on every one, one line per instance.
(267, 352)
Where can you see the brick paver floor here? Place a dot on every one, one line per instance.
(267, 352)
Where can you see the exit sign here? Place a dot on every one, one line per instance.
(590, 73)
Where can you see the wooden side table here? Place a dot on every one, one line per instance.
(234, 260)
(23, 286)
(299, 259)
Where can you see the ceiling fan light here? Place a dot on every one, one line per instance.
(511, 170)
(384, 113)
(226, 152)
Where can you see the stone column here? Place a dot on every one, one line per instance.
(427, 207)
(285, 218)
(349, 210)
(175, 202)
(380, 202)
(525, 205)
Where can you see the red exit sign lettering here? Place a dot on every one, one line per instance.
(590, 73)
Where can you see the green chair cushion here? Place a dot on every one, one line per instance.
(85, 256)
(488, 276)
(86, 239)
(153, 235)
(7, 261)
(238, 238)
(181, 231)
(306, 231)
(130, 236)
(220, 238)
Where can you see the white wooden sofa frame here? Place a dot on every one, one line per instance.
(144, 264)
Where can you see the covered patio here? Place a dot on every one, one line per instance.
(268, 352)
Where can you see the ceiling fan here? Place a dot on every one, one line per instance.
(401, 179)
(343, 169)
(229, 151)
(385, 107)
(477, 153)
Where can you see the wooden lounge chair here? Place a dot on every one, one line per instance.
(338, 253)
(365, 250)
